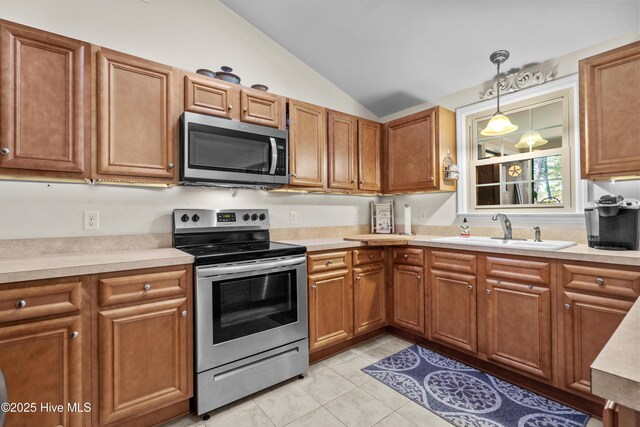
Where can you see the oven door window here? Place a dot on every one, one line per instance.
(245, 306)
(228, 150)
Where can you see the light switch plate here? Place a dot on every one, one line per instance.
(91, 220)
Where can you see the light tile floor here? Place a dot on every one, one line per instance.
(334, 392)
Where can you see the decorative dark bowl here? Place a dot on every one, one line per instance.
(258, 86)
(227, 75)
(206, 72)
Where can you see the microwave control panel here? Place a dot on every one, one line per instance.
(281, 163)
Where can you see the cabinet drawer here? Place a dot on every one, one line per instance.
(605, 281)
(131, 288)
(452, 261)
(518, 270)
(409, 256)
(328, 261)
(40, 300)
(367, 256)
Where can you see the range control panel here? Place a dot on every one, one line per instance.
(196, 219)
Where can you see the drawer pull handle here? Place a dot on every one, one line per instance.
(74, 335)
(21, 304)
(406, 256)
(488, 291)
(567, 306)
(184, 313)
(146, 287)
(470, 287)
(600, 281)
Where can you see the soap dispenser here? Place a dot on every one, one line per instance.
(465, 230)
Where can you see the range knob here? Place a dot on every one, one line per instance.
(246, 217)
(195, 218)
(263, 217)
(184, 218)
(254, 217)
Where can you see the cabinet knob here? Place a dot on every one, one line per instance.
(470, 287)
(328, 263)
(370, 256)
(600, 281)
(293, 175)
(230, 107)
(430, 178)
(419, 277)
(357, 277)
(406, 256)
(170, 165)
(21, 304)
(184, 313)
(353, 181)
(4, 151)
(313, 286)
(488, 291)
(146, 286)
(74, 335)
(361, 181)
(244, 111)
(567, 306)
(498, 281)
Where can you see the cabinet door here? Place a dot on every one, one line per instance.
(369, 298)
(342, 157)
(209, 96)
(408, 298)
(411, 153)
(261, 108)
(330, 308)
(307, 141)
(44, 103)
(42, 363)
(143, 358)
(519, 327)
(610, 107)
(588, 323)
(453, 309)
(136, 118)
(369, 156)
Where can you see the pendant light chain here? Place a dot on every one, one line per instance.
(498, 86)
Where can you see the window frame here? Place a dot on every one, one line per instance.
(574, 189)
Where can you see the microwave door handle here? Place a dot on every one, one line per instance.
(215, 271)
(274, 156)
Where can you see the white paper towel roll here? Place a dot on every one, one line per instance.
(407, 219)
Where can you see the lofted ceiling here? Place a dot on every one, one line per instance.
(393, 54)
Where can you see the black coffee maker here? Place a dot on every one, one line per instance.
(613, 223)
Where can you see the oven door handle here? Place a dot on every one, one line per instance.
(231, 269)
(274, 156)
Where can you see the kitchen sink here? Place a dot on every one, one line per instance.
(545, 245)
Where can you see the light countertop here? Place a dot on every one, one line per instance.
(579, 252)
(615, 374)
(52, 266)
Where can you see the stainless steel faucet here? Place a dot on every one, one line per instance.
(536, 229)
(506, 225)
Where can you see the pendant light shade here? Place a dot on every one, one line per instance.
(499, 123)
(531, 139)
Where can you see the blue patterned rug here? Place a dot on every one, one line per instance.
(466, 396)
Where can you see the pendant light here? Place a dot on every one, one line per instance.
(499, 123)
(531, 138)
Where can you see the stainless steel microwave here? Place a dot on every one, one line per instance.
(217, 151)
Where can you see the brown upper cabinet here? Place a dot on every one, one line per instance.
(342, 137)
(218, 98)
(609, 112)
(415, 147)
(307, 141)
(45, 121)
(137, 119)
(369, 155)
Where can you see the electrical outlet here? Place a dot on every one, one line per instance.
(354, 218)
(91, 220)
(294, 217)
(423, 215)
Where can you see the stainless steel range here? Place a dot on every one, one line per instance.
(250, 303)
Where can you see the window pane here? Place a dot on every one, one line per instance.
(524, 182)
(539, 128)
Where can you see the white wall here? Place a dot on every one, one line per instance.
(188, 34)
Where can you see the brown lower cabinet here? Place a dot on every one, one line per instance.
(127, 362)
(409, 297)
(345, 302)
